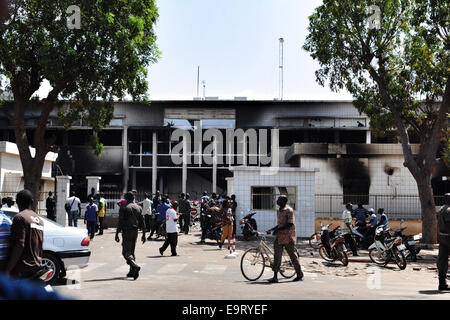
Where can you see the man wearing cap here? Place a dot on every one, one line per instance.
(130, 220)
(444, 243)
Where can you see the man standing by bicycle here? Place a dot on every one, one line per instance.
(286, 237)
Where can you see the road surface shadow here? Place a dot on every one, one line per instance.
(431, 292)
(205, 244)
(154, 257)
(110, 279)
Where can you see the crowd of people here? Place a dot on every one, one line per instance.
(163, 217)
(21, 238)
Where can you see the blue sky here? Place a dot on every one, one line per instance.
(235, 42)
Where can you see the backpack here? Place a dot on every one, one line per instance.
(68, 206)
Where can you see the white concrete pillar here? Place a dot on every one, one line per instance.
(154, 161)
(214, 173)
(230, 186)
(125, 161)
(93, 182)
(368, 137)
(62, 193)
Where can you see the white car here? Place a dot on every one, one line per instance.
(64, 247)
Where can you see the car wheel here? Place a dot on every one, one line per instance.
(52, 262)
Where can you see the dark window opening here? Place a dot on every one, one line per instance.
(110, 137)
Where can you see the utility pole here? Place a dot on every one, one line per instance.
(281, 68)
(198, 81)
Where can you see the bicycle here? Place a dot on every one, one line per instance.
(254, 260)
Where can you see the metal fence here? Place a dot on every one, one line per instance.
(397, 206)
(41, 210)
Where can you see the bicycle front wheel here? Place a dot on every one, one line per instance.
(252, 264)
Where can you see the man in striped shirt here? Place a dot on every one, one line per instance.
(5, 231)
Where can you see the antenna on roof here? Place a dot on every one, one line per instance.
(281, 67)
(198, 81)
(204, 89)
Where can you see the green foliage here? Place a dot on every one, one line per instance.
(107, 58)
(410, 52)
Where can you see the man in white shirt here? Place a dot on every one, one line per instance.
(75, 209)
(171, 229)
(147, 211)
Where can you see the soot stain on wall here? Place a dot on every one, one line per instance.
(353, 176)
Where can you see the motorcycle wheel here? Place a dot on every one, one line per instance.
(376, 257)
(400, 259)
(323, 253)
(342, 255)
(314, 241)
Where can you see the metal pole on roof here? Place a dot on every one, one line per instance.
(198, 81)
(281, 68)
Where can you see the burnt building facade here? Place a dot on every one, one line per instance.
(138, 147)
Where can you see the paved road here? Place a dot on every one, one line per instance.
(201, 272)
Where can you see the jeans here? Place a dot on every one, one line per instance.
(73, 216)
(172, 239)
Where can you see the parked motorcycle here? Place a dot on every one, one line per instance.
(249, 227)
(363, 236)
(410, 243)
(333, 247)
(386, 248)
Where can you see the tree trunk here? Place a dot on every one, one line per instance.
(32, 175)
(429, 217)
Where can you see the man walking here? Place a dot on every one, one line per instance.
(130, 220)
(50, 206)
(171, 229)
(185, 213)
(90, 217)
(27, 237)
(444, 243)
(147, 211)
(286, 237)
(346, 228)
(73, 205)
